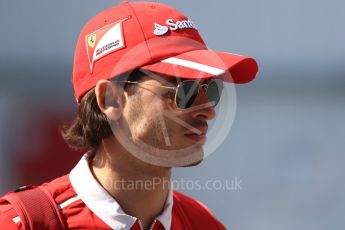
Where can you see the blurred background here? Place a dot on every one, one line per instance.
(287, 144)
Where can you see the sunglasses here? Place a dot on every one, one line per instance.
(188, 90)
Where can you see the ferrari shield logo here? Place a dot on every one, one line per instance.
(91, 40)
(104, 41)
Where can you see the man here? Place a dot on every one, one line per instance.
(146, 86)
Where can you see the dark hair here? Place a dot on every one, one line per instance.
(91, 125)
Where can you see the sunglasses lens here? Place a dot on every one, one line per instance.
(214, 91)
(186, 94)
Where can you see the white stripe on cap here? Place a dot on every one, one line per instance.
(194, 65)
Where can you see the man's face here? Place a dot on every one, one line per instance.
(158, 126)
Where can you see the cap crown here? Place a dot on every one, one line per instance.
(129, 36)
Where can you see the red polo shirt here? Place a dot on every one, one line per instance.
(86, 205)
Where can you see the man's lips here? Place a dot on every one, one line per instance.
(197, 138)
(197, 135)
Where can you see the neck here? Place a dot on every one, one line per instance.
(140, 189)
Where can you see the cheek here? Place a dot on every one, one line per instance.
(151, 116)
(141, 115)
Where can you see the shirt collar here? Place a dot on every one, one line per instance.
(102, 204)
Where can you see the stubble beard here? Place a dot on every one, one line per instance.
(147, 135)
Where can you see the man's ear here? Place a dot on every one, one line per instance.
(109, 99)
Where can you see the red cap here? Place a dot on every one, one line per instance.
(152, 36)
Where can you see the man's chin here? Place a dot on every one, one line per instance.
(163, 156)
(193, 164)
(198, 157)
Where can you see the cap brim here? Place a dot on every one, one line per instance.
(198, 64)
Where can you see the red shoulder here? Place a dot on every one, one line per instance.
(60, 189)
(199, 216)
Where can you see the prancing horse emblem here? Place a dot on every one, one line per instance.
(91, 40)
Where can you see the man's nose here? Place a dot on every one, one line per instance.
(203, 107)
